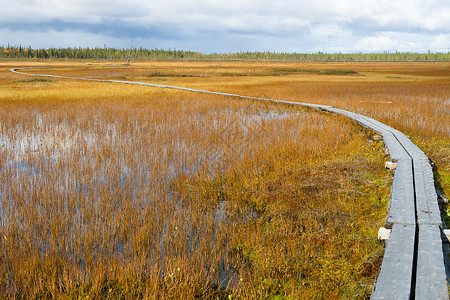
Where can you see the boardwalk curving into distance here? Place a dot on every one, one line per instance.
(413, 266)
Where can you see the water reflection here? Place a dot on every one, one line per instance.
(100, 190)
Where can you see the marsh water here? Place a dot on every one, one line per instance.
(100, 187)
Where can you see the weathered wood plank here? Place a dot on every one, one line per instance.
(413, 150)
(431, 282)
(428, 212)
(396, 150)
(394, 280)
(401, 208)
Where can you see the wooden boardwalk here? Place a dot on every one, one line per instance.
(413, 265)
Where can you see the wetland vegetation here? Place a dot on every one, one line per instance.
(111, 190)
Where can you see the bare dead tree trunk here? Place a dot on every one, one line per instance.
(129, 54)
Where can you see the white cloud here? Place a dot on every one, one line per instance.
(392, 41)
(440, 43)
(377, 43)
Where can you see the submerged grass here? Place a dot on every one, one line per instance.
(112, 191)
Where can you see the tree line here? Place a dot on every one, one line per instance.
(160, 54)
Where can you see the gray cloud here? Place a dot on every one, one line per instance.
(111, 28)
(233, 25)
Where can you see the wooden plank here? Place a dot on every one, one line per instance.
(412, 149)
(390, 165)
(401, 208)
(431, 280)
(427, 205)
(395, 278)
(396, 150)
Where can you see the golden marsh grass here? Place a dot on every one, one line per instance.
(112, 191)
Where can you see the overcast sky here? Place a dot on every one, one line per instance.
(230, 25)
